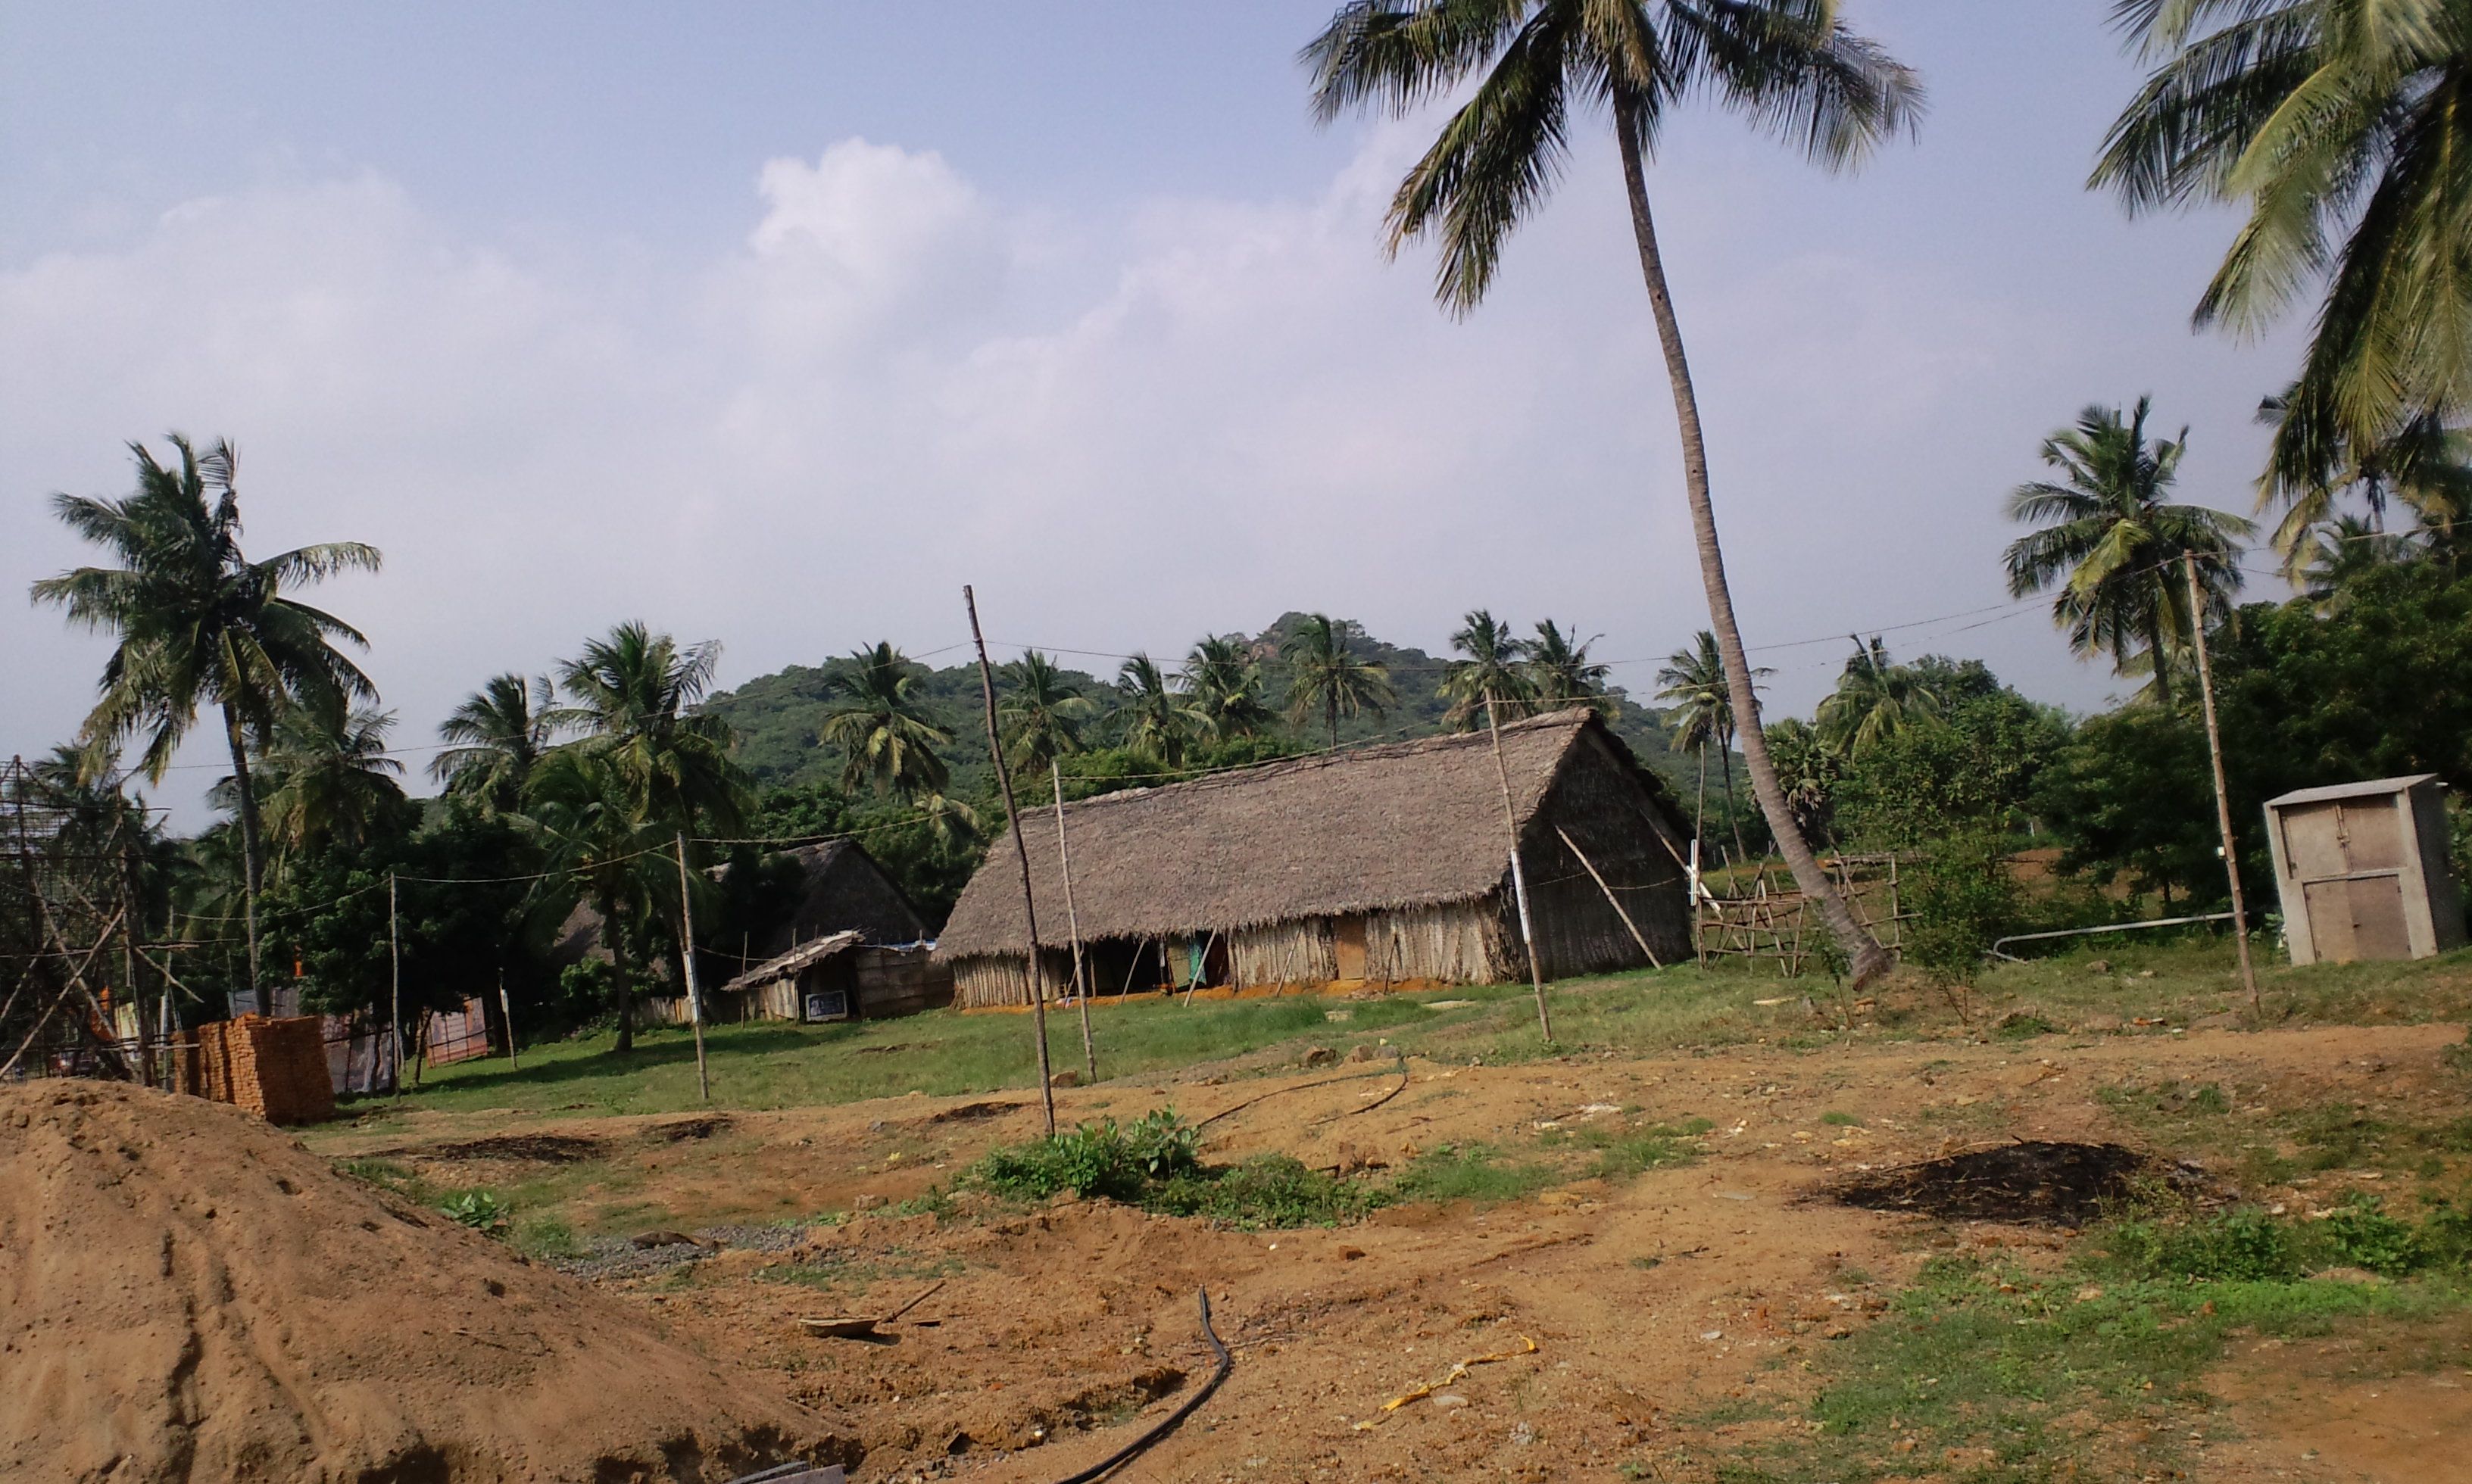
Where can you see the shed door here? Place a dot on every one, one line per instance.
(2337, 840)
(2358, 918)
(1347, 946)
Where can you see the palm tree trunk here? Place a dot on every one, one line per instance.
(1734, 816)
(252, 869)
(617, 932)
(1700, 810)
(1863, 953)
(2155, 650)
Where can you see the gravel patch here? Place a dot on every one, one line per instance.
(618, 1256)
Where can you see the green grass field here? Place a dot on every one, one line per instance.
(1679, 1009)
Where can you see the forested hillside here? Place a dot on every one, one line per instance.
(779, 718)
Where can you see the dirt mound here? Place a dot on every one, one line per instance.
(2031, 1180)
(186, 1293)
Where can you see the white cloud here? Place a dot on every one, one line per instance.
(899, 384)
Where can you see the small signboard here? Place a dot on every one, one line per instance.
(829, 1004)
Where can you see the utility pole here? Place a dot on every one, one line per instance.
(2223, 791)
(1021, 852)
(1518, 876)
(1073, 925)
(395, 954)
(686, 960)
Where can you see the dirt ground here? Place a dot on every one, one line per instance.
(1613, 1318)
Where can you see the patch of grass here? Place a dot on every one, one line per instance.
(2022, 1374)
(388, 1176)
(542, 1237)
(1841, 1121)
(1623, 1152)
(1470, 1172)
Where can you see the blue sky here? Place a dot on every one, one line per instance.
(774, 324)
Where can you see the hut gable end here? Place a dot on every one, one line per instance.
(1407, 825)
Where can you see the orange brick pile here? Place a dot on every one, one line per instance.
(275, 1068)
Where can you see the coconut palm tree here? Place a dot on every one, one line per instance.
(1154, 718)
(1874, 700)
(1493, 675)
(1326, 676)
(2113, 543)
(634, 693)
(2424, 466)
(2342, 552)
(499, 734)
(1516, 70)
(328, 778)
(200, 625)
(1225, 685)
(1560, 672)
(2340, 127)
(1041, 713)
(882, 731)
(580, 811)
(1694, 680)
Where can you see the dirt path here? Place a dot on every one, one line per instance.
(1647, 1301)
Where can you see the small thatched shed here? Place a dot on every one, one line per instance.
(1384, 864)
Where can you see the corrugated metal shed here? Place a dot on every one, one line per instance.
(2363, 871)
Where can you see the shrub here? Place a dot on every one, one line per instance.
(2239, 1246)
(1104, 1159)
(477, 1210)
(1962, 897)
(1270, 1191)
(2360, 1234)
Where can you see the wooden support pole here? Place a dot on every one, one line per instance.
(1073, 926)
(687, 967)
(1518, 876)
(507, 1013)
(1611, 900)
(394, 959)
(1021, 853)
(2223, 791)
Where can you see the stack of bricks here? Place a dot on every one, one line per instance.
(275, 1068)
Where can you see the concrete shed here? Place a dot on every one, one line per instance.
(2363, 871)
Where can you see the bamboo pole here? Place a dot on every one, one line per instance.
(2222, 791)
(1073, 926)
(1518, 875)
(1611, 900)
(394, 962)
(686, 962)
(1021, 853)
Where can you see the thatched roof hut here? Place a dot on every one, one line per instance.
(1384, 863)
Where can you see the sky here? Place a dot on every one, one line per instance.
(775, 324)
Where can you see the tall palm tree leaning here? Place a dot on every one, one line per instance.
(200, 623)
(2341, 126)
(882, 731)
(2113, 543)
(1787, 66)
(1491, 676)
(495, 739)
(1327, 677)
(1695, 679)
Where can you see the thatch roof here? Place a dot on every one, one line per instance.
(1408, 824)
(788, 965)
